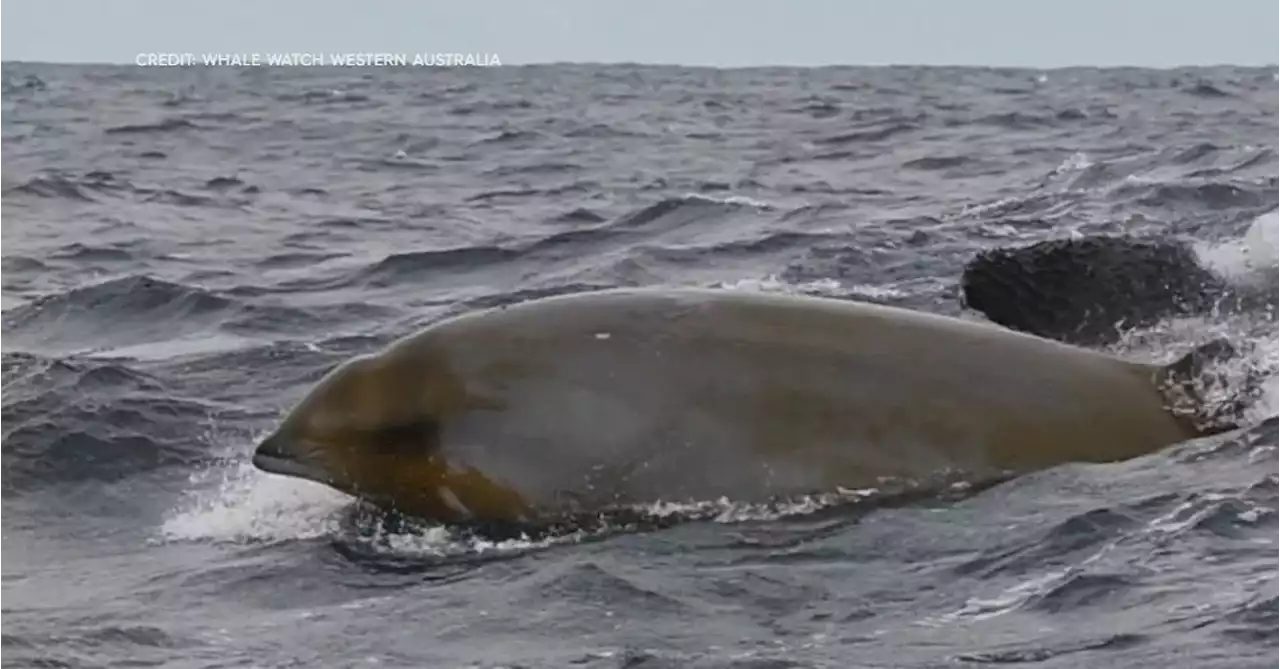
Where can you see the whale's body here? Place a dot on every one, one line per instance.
(631, 396)
(1090, 290)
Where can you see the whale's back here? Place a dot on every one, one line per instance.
(698, 393)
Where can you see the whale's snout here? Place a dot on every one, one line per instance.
(269, 449)
(278, 455)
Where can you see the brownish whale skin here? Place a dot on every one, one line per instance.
(588, 401)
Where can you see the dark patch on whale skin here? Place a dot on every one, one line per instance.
(1086, 291)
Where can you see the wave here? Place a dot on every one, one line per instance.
(166, 125)
(1213, 195)
(297, 259)
(119, 312)
(61, 186)
(579, 215)
(550, 167)
(71, 420)
(487, 106)
(512, 136)
(766, 244)
(131, 311)
(89, 186)
(24, 84)
(134, 297)
(1017, 120)
(397, 162)
(413, 265)
(1057, 545)
(1204, 89)
(937, 162)
(666, 217)
(84, 253)
(22, 264)
(39, 646)
(53, 186)
(504, 193)
(870, 135)
(222, 183)
(177, 197)
(283, 369)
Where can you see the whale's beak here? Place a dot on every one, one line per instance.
(277, 455)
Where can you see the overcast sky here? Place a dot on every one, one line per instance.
(726, 33)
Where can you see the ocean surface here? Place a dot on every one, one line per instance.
(187, 250)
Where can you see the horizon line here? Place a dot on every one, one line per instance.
(537, 63)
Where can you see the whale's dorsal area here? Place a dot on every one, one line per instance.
(1088, 290)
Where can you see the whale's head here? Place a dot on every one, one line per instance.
(372, 428)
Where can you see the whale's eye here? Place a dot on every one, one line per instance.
(416, 437)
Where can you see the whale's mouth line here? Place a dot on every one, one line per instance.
(285, 466)
(279, 455)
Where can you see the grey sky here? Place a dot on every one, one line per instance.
(727, 33)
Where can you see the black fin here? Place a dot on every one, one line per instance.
(1080, 290)
(1190, 385)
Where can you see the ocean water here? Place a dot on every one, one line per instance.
(187, 250)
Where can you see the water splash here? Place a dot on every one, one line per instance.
(1251, 259)
(1262, 242)
(771, 283)
(234, 502)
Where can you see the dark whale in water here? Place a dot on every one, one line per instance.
(1089, 290)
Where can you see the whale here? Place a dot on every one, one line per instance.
(1090, 290)
(584, 402)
